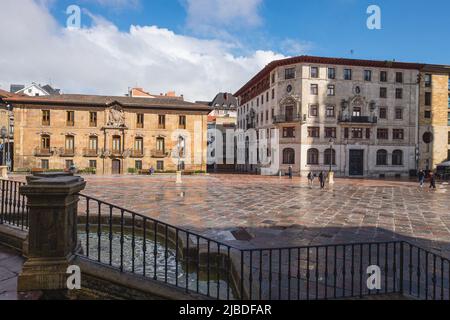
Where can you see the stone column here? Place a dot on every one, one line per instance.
(53, 242)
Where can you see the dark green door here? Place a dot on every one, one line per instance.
(356, 162)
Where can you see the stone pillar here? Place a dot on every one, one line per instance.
(53, 242)
(4, 172)
(331, 178)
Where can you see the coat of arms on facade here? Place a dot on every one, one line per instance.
(116, 117)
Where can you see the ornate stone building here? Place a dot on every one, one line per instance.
(358, 117)
(112, 135)
(434, 116)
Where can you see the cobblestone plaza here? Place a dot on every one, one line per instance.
(261, 212)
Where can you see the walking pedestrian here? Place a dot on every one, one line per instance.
(290, 172)
(310, 179)
(432, 181)
(421, 178)
(322, 180)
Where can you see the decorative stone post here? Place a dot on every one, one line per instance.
(331, 178)
(179, 180)
(53, 242)
(4, 172)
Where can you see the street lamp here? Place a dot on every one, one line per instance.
(331, 154)
(3, 133)
(331, 173)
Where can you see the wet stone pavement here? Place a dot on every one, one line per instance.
(10, 266)
(265, 212)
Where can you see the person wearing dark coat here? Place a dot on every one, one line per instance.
(421, 178)
(322, 180)
(432, 181)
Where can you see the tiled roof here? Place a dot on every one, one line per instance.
(6, 94)
(329, 61)
(102, 101)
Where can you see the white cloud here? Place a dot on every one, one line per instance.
(295, 47)
(213, 16)
(103, 60)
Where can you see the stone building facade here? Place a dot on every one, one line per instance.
(434, 116)
(109, 135)
(358, 117)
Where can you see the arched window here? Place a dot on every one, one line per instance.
(397, 158)
(288, 156)
(382, 158)
(330, 157)
(313, 156)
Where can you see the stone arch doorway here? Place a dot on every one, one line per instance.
(116, 166)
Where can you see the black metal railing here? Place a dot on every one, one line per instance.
(358, 119)
(14, 209)
(137, 244)
(286, 118)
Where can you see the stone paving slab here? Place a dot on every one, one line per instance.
(10, 266)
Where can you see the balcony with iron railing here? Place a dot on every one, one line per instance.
(43, 152)
(286, 118)
(358, 119)
(91, 152)
(67, 152)
(137, 153)
(159, 153)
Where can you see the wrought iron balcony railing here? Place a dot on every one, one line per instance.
(67, 152)
(137, 154)
(160, 153)
(358, 119)
(284, 118)
(43, 152)
(91, 152)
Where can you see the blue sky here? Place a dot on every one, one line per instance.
(201, 47)
(411, 30)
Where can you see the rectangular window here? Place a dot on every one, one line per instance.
(346, 133)
(398, 134)
(313, 132)
(93, 144)
(273, 78)
(138, 165)
(331, 91)
(314, 110)
(314, 89)
(267, 115)
(289, 132)
(182, 122)
(93, 164)
(117, 144)
(45, 165)
(347, 74)
(92, 119)
(331, 73)
(383, 134)
(383, 113)
(383, 93)
(383, 76)
(428, 80)
(160, 144)
(428, 99)
(139, 145)
(399, 77)
(70, 144)
(427, 114)
(367, 75)
(398, 93)
(273, 94)
(357, 133)
(273, 113)
(289, 73)
(140, 120)
(70, 118)
(161, 121)
(314, 72)
(330, 111)
(330, 132)
(160, 165)
(398, 114)
(45, 117)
